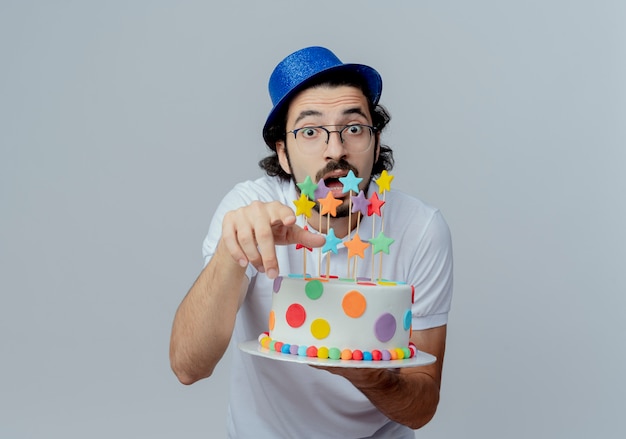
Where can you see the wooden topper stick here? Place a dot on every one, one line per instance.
(328, 207)
(384, 185)
(319, 252)
(303, 207)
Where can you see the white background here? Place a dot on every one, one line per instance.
(122, 124)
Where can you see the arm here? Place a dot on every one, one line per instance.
(409, 396)
(205, 319)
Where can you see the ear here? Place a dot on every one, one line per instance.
(283, 159)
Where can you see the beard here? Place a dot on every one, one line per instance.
(343, 211)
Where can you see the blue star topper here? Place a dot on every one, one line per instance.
(350, 182)
(331, 242)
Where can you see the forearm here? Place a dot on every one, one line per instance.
(205, 319)
(407, 397)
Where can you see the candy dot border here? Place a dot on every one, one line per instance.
(334, 353)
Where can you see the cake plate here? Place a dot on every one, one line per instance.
(254, 348)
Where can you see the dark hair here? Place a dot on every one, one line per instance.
(380, 119)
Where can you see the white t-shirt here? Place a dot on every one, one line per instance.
(275, 399)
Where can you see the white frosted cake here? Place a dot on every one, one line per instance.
(340, 319)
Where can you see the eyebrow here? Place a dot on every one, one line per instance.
(307, 113)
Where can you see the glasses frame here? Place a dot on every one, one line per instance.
(340, 132)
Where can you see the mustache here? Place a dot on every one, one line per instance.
(332, 166)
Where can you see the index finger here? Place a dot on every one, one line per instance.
(281, 222)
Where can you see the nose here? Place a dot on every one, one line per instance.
(334, 147)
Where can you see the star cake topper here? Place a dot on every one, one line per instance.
(375, 205)
(381, 243)
(384, 181)
(331, 242)
(360, 203)
(303, 206)
(329, 204)
(308, 188)
(350, 182)
(356, 247)
(321, 191)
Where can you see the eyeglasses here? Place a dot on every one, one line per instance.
(355, 137)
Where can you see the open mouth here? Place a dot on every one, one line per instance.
(332, 174)
(333, 183)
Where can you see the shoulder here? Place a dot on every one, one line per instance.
(408, 211)
(421, 229)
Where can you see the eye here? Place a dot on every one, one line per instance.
(309, 133)
(353, 130)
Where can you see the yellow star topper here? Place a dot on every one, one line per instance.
(384, 182)
(304, 206)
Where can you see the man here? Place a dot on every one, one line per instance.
(326, 121)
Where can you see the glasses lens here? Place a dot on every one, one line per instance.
(311, 140)
(311, 135)
(356, 138)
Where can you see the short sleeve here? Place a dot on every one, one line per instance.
(432, 270)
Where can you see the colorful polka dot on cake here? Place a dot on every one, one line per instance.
(408, 319)
(296, 315)
(320, 328)
(354, 304)
(277, 283)
(314, 289)
(272, 320)
(385, 327)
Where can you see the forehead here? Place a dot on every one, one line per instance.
(327, 101)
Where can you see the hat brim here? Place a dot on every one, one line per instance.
(372, 79)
